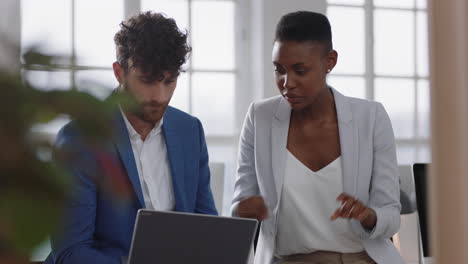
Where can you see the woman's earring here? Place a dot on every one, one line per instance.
(328, 70)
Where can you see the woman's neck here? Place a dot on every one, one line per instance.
(321, 110)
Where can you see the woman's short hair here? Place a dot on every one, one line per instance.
(153, 43)
(302, 26)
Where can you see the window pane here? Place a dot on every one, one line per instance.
(48, 80)
(406, 155)
(96, 24)
(41, 23)
(213, 34)
(424, 124)
(349, 86)
(347, 2)
(397, 96)
(176, 9)
(213, 101)
(99, 83)
(394, 42)
(422, 44)
(424, 154)
(421, 3)
(180, 98)
(394, 3)
(348, 38)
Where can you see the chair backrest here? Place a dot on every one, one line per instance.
(407, 192)
(217, 170)
(420, 173)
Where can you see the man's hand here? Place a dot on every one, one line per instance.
(253, 207)
(351, 208)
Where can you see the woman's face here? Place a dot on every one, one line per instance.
(301, 69)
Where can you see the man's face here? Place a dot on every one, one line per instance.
(151, 94)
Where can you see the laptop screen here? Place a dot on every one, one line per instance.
(420, 171)
(181, 238)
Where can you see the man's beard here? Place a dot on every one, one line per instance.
(149, 111)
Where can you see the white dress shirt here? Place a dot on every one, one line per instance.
(307, 203)
(153, 167)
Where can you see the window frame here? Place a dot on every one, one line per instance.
(131, 7)
(370, 76)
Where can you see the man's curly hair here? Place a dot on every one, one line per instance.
(153, 43)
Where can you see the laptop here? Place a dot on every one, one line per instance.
(420, 174)
(181, 238)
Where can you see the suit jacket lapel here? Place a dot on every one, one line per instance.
(349, 142)
(124, 147)
(279, 138)
(175, 155)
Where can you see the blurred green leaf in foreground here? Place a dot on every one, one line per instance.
(33, 190)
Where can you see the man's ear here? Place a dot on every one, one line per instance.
(332, 58)
(118, 71)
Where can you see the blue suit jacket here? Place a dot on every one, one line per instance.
(98, 225)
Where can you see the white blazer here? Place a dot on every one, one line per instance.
(369, 168)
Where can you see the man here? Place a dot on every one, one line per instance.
(157, 157)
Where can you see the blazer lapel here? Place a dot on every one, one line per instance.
(124, 147)
(279, 138)
(175, 155)
(349, 142)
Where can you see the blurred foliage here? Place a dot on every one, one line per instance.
(33, 190)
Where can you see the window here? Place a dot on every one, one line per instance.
(386, 62)
(83, 32)
(210, 76)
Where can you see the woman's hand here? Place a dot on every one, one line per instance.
(351, 208)
(253, 207)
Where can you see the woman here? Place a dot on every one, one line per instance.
(317, 167)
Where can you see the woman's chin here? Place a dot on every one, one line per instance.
(297, 106)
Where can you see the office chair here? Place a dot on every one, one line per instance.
(217, 170)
